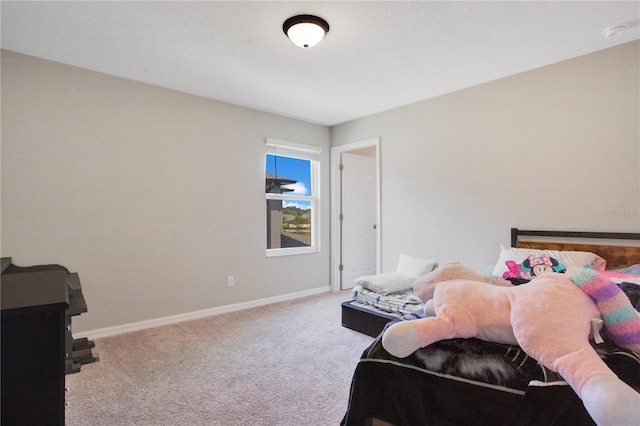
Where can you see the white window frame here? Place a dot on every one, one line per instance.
(305, 152)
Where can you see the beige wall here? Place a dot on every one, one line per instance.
(151, 195)
(154, 196)
(553, 148)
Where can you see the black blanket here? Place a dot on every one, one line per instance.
(469, 381)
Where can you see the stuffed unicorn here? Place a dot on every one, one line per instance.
(549, 317)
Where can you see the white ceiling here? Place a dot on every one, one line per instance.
(377, 55)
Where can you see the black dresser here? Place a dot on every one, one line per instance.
(38, 349)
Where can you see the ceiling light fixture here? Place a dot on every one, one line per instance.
(305, 30)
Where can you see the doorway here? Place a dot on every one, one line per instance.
(355, 212)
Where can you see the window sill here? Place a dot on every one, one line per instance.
(291, 251)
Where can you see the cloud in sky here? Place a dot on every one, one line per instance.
(299, 188)
(297, 204)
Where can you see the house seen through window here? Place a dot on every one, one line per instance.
(292, 202)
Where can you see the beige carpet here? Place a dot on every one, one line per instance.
(288, 363)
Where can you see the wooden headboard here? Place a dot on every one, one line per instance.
(617, 256)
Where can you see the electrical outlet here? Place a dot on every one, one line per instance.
(230, 281)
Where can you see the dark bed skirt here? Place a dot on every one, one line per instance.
(364, 320)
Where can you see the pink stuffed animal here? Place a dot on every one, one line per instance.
(549, 317)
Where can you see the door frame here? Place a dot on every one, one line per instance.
(336, 194)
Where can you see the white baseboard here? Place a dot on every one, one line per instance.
(173, 319)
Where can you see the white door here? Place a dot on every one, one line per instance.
(358, 208)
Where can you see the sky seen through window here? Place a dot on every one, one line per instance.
(294, 169)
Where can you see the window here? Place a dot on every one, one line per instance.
(291, 190)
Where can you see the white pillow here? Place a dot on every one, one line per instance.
(413, 266)
(511, 261)
(389, 282)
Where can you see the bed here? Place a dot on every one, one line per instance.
(469, 381)
(378, 299)
(368, 312)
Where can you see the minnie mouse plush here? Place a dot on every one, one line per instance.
(533, 266)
